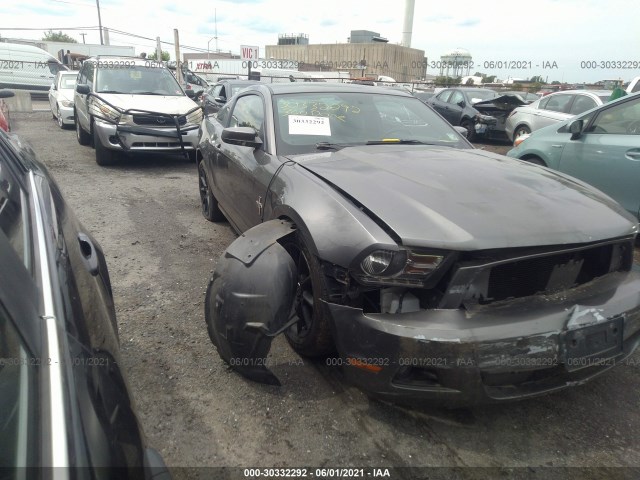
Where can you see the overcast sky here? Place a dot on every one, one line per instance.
(538, 33)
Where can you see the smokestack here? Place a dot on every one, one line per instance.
(408, 22)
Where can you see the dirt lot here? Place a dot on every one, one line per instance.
(197, 412)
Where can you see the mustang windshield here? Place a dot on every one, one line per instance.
(304, 120)
(136, 79)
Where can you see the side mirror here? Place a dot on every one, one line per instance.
(575, 128)
(6, 93)
(222, 100)
(461, 104)
(83, 89)
(243, 136)
(190, 93)
(53, 86)
(199, 93)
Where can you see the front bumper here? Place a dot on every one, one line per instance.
(67, 115)
(509, 350)
(144, 139)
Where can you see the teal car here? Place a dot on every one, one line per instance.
(600, 147)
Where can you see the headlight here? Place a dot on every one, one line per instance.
(100, 109)
(402, 267)
(66, 103)
(377, 262)
(195, 117)
(126, 119)
(518, 140)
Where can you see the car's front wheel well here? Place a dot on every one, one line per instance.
(536, 160)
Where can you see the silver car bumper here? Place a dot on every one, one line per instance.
(125, 137)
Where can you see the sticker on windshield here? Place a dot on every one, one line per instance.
(307, 125)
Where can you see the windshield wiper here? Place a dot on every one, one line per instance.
(331, 146)
(397, 141)
(150, 93)
(110, 91)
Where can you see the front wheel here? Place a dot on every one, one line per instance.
(311, 334)
(210, 209)
(520, 131)
(535, 160)
(469, 127)
(59, 117)
(104, 156)
(83, 137)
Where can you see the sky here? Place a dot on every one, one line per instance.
(565, 40)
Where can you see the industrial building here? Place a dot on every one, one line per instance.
(365, 58)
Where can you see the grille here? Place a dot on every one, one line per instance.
(554, 273)
(158, 120)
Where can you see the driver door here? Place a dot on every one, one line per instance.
(243, 173)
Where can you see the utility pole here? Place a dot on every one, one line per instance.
(83, 34)
(176, 40)
(99, 22)
(158, 50)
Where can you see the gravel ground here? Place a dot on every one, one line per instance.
(197, 412)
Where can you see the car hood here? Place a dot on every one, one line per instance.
(468, 199)
(66, 94)
(171, 105)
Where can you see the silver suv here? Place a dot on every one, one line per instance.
(134, 105)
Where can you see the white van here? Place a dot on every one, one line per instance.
(24, 67)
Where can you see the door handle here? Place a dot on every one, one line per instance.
(89, 254)
(633, 155)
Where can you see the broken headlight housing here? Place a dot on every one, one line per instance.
(101, 109)
(195, 117)
(403, 267)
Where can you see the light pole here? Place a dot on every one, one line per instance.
(208, 46)
(99, 22)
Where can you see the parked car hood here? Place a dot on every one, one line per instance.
(504, 102)
(66, 94)
(172, 105)
(468, 199)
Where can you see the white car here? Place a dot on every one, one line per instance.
(552, 108)
(61, 97)
(133, 105)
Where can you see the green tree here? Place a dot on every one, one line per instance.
(154, 56)
(488, 78)
(52, 36)
(537, 79)
(555, 82)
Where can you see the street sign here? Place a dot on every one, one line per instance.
(248, 52)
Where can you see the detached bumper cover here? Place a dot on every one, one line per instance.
(511, 350)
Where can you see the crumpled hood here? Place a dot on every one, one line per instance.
(469, 199)
(504, 102)
(172, 105)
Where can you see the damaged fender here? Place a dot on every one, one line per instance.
(250, 299)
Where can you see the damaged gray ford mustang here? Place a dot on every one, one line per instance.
(437, 271)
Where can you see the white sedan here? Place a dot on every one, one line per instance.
(61, 97)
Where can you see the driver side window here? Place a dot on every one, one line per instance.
(619, 119)
(456, 97)
(249, 112)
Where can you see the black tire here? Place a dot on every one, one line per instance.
(521, 130)
(83, 137)
(210, 208)
(311, 335)
(192, 156)
(104, 156)
(469, 127)
(59, 117)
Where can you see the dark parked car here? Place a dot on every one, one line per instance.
(456, 105)
(436, 270)
(64, 399)
(216, 96)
